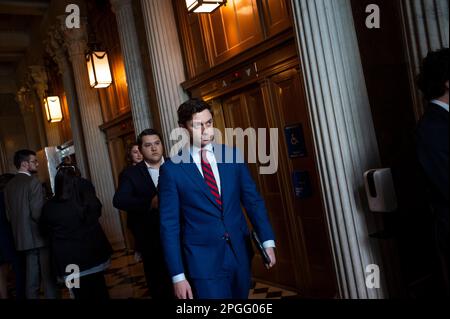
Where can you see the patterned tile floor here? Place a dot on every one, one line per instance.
(125, 280)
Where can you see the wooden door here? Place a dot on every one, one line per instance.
(286, 107)
(303, 247)
(246, 110)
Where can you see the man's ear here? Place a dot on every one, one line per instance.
(446, 85)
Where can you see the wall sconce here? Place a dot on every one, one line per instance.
(204, 6)
(53, 110)
(98, 69)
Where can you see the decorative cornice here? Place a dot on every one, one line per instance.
(75, 39)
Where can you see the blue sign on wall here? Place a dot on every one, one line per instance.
(302, 184)
(295, 141)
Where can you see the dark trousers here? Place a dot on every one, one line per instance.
(232, 282)
(92, 287)
(156, 275)
(18, 266)
(39, 270)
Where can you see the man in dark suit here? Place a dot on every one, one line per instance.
(24, 198)
(204, 232)
(433, 144)
(138, 196)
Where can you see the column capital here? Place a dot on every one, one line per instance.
(22, 97)
(75, 39)
(117, 5)
(39, 79)
(55, 47)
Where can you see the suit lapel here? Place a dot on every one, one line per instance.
(225, 176)
(145, 173)
(192, 171)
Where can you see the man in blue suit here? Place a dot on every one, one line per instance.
(432, 148)
(205, 237)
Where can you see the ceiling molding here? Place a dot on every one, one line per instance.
(37, 8)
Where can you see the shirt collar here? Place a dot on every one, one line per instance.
(441, 104)
(25, 173)
(196, 150)
(149, 167)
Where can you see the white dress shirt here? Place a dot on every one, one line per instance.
(441, 104)
(196, 156)
(154, 172)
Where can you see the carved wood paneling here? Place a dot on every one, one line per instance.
(232, 29)
(276, 16)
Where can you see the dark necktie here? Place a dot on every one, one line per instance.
(210, 180)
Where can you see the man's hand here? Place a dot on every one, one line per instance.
(273, 260)
(183, 290)
(155, 202)
(137, 257)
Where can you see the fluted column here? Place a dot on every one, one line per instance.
(137, 87)
(33, 101)
(3, 158)
(29, 119)
(426, 26)
(91, 117)
(343, 133)
(40, 79)
(167, 61)
(55, 48)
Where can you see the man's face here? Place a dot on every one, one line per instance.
(201, 128)
(152, 148)
(31, 165)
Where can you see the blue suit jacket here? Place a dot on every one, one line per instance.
(193, 225)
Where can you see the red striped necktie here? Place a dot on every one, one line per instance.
(210, 180)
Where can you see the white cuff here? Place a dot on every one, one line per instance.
(178, 278)
(269, 244)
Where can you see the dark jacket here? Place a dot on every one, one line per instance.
(24, 197)
(134, 195)
(7, 249)
(75, 234)
(432, 151)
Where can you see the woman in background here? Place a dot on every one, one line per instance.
(71, 220)
(134, 156)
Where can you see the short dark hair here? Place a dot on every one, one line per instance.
(191, 107)
(22, 156)
(4, 180)
(434, 74)
(147, 132)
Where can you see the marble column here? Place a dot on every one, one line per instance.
(137, 86)
(167, 61)
(3, 158)
(344, 135)
(40, 79)
(56, 49)
(29, 119)
(426, 28)
(33, 100)
(96, 146)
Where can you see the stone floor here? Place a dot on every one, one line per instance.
(125, 280)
